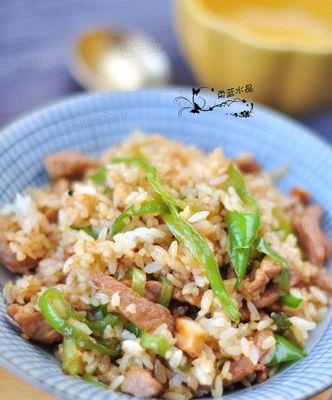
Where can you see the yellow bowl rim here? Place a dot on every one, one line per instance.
(218, 23)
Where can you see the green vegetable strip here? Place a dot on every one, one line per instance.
(151, 175)
(101, 311)
(100, 325)
(166, 292)
(138, 281)
(220, 363)
(113, 345)
(92, 379)
(285, 279)
(90, 231)
(157, 344)
(160, 346)
(285, 275)
(87, 229)
(288, 334)
(265, 248)
(286, 351)
(240, 260)
(242, 226)
(71, 357)
(284, 225)
(147, 207)
(201, 252)
(86, 343)
(57, 313)
(290, 301)
(100, 176)
(281, 320)
(134, 329)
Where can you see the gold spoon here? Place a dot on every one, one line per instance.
(106, 60)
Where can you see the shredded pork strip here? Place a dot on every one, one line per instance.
(248, 165)
(33, 324)
(310, 235)
(318, 278)
(140, 383)
(268, 297)
(267, 271)
(302, 195)
(243, 366)
(322, 281)
(147, 316)
(153, 290)
(68, 164)
(9, 260)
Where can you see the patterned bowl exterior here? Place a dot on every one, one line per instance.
(90, 124)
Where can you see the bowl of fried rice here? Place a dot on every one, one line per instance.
(149, 254)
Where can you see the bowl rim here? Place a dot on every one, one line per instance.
(166, 90)
(57, 106)
(220, 25)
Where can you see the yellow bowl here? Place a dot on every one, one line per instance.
(283, 48)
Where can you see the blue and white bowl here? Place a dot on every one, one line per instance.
(90, 124)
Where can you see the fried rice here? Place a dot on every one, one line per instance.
(59, 236)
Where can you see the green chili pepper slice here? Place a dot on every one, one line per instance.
(286, 351)
(138, 281)
(166, 292)
(92, 379)
(145, 208)
(151, 175)
(90, 231)
(101, 312)
(288, 334)
(290, 301)
(240, 260)
(281, 320)
(101, 324)
(157, 344)
(55, 309)
(285, 279)
(134, 329)
(284, 225)
(242, 226)
(265, 248)
(58, 312)
(113, 345)
(99, 177)
(86, 343)
(220, 363)
(87, 229)
(201, 252)
(285, 275)
(185, 366)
